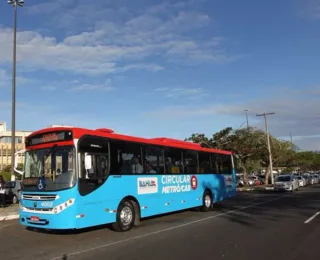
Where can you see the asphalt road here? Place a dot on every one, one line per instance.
(252, 226)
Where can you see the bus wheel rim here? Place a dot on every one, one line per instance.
(207, 201)
(126, 216)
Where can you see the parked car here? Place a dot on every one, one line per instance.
(316, 178)
(302, 181)
(312, 179)
(308, 178)
(286, 183)
(13, 189)
(251, 182)
(240, 182)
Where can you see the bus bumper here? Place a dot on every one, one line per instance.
(63, 220)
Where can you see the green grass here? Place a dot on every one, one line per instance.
(6, 175)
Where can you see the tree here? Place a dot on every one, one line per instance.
(246, 144)
(307, 160)
(250, 149)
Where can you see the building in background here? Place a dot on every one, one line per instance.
(5, 145)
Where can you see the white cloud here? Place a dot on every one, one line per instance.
(77, 85)
(48, 7)
(150, 67)
(110, 45)
(309, 9)
(93, 87)
(307, 143)
(294, 114)
(175, 93)
(6, 79)
(5, 104)
(314, 91)
(161, 89)
(49, 88)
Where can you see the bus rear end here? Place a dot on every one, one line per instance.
(49, 181)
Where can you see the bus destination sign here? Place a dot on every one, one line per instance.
(49, 137)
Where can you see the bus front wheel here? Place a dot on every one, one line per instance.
(207, 201)
(125, 217)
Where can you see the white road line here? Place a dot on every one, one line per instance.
(167, 229)
(310, 219)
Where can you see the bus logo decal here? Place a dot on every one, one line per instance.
(177, 183)
(194, 182)
(147, 185)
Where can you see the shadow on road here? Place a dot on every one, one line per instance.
(293, 205)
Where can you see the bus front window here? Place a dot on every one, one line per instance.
(49, 169)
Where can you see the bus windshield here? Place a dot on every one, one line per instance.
(49, 169)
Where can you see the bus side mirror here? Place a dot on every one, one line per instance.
(16, 161)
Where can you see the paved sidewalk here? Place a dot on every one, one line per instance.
(10, 212)
(256, 188)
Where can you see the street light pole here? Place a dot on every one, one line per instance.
(268, 143)
(246, 110)
(15, 5)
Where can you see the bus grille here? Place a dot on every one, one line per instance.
(39, 197)
(37, 209)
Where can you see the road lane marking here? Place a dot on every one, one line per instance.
(310, 219)
(166, 229)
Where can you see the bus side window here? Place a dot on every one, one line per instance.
(204, 163)
(154, 160)
(190, 161)
(126, 157)
(173, 160)
(216, 163)
(95, 166)
(94, 163)
(226, 164)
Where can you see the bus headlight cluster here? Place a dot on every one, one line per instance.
(63, 206)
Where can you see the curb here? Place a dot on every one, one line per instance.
(269, 188)
(9, 217)
(245, 189)
(255, 189)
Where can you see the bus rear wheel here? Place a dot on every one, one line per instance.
(125, 217)
(207, 202)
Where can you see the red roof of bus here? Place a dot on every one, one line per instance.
(105, 132)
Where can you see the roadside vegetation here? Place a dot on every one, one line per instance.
(251, 154)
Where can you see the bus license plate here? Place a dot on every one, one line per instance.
(34, 218)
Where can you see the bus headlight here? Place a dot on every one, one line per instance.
(57, 209)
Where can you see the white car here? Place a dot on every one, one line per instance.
(316, 178)
(302, 181)
(286, 183)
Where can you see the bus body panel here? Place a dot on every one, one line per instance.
(156, 194)
(42, 206)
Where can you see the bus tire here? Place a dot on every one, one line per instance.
(207, 201)
(125, 217)
(137, 213)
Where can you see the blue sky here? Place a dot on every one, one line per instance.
(165, 68)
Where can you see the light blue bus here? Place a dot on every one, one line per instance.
(76, 178)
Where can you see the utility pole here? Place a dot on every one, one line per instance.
(291, 140)
(268, 143)
(246, 110)
(15, 4)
